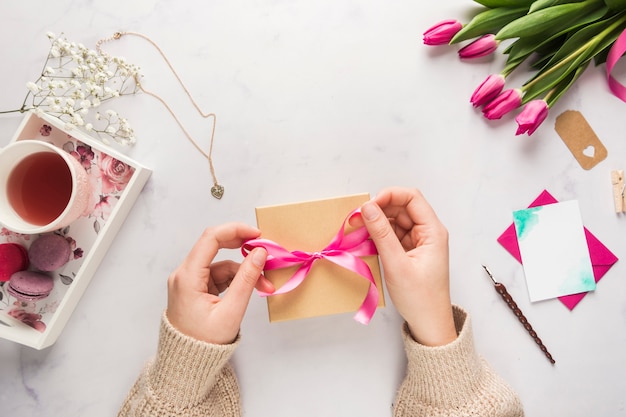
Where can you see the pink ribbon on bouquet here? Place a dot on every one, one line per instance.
(617, 50)
(343, 250)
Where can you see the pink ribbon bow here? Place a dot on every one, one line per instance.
(616, 52)
(343, 250)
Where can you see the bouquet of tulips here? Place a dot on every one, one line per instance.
(558, 37)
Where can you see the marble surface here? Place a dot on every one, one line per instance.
(315, 100)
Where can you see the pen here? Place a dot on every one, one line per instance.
(501, 289)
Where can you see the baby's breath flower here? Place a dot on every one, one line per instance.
(75, 80)
(77, 120)
(34, 88)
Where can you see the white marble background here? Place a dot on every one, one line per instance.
(314, 100)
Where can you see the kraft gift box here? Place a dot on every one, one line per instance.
(328, 288)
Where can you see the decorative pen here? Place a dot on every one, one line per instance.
(501, 289)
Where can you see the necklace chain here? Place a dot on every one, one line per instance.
(217, 190)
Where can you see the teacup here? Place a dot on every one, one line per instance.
(42, 187)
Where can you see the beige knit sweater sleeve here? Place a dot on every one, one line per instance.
(193, 378)
(453, 380)
(186, 378)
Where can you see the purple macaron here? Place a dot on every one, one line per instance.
(30, 285)
(49, 252)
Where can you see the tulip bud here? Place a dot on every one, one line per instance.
(482, 46)
(534, 113)
(488, 90)
(442, 32)
(507, 101)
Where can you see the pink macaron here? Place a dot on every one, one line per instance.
(30, 285)
(49, 252)
(13, 258)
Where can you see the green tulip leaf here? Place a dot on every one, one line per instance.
(584, 36)
(549, 80)
(543, 4)
(542, 61)
(488, 21)
(492, 4)
(618, 5)
(601, 57)
(550, 20)
(561, 88)
(544, 44)
(558, 69)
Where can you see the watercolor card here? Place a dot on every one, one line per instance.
(554, 250)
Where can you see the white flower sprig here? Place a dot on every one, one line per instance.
(76, 80)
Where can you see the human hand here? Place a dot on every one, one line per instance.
(193, 303)
(413, 247)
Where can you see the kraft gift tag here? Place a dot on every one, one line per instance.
(580, 138)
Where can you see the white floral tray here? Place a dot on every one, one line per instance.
(116, 182)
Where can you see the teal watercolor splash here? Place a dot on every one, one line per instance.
(579, 279)
(525, 220)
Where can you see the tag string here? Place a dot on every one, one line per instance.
(217, 190)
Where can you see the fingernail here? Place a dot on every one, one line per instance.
(369, 211)
(258, 257)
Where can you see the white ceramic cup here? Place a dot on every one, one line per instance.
(10, 158)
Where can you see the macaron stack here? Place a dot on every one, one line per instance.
(47, 253)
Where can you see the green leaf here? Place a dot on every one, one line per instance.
(555, 94)
(542, 4)
(541, 62)
(601, 57)
(546, 43)
(558, 69)
(551, 20)
(582, 37)
(492, 4)
(619, 5)
(488, 21)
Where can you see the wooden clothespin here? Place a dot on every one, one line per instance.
(617, 179)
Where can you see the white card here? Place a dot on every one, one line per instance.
(554, 250)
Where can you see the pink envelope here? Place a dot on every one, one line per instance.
(602, 259)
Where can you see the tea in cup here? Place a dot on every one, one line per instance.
(42, 187)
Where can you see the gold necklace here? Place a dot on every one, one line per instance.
(217, 190)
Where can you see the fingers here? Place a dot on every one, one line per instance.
(223, 273)
(229, 235)
(406, 206)
(381, 232)
(245, 280)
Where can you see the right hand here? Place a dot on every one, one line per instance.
(413, 247)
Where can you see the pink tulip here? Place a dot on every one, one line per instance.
(534, 113)
(482, 46)
(488, 90)
(505, 102)
(442, 32)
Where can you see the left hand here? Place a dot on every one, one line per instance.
(193, 303)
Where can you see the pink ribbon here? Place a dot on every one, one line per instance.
(617, 50)
(343, 250)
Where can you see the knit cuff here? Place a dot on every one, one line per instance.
(444, 374)
(185, 369)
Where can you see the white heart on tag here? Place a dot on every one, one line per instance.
(589, 151)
